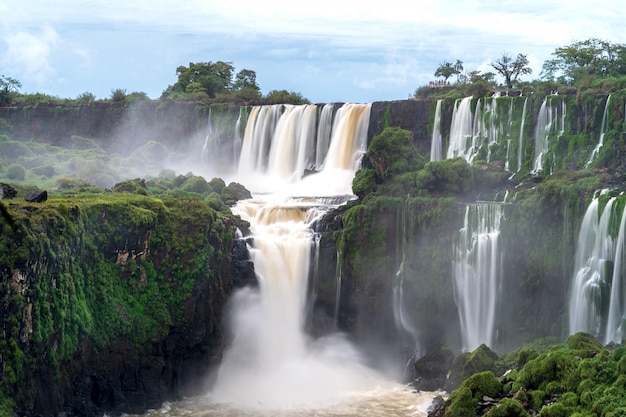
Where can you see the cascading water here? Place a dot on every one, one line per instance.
(603, 129)
(476, 271)
(550, 114)
(323, 135)
(436, 144)
(400, 313)
(272, 363)
(461, 131)
(520, 148)
(596, 298)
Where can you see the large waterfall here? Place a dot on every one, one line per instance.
(272, 363)
(477, 259)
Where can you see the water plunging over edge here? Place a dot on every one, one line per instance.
(476, 271)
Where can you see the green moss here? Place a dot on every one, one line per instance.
(461, 403)
(507, 408)
(483, 384)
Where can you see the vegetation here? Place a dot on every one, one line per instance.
(580, 65)
(577, 378)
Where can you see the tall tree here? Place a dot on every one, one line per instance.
(592, 57)
(211, 78)
(8, 89)
(448, 69)
(511, 69)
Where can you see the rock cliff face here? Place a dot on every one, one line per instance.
(110, 306)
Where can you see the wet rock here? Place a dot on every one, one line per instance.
(7, 191)
(36, 196)
(432, 369)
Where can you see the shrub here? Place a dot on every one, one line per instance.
(16, 172)
(507, 408)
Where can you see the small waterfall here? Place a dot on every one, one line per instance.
(603, 129)
(338, 287)
(597, 295)
(323, 135)
(477, 264)
(462, 130)
(548, 121)
(617, 302)
(401, 317)
(520, 149)
(436, 144)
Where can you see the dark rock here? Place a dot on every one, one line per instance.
(437, 408)
(431, 370)
(6, 191)
(242, 267)
(36, 196)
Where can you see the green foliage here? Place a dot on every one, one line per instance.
(16, 172)
(392, 152)
(285, 97)
(364, 182)
(197, 184)
(118, 95)
(14, 149)
(483, 384)
(507, 408)
(461, 403)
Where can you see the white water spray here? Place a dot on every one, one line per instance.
(603, 129)
(477, 265)
(436, 144)
(272, 363)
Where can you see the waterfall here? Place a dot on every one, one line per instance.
(520, 149)
(476, 269)
(401, 317)
(323, 135)
(436, 144)
(603, 129)
(547, 125)
(596, 298)
(461, 130)
(338, 287)
(272, 362)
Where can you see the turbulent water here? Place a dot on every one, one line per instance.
(272, 367)
(384, 401)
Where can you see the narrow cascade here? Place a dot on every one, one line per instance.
(520, 149)
(617, 302)
(436, 144)
(323, 135)
(338, 287)
(401, 317)
(596, 298)
(603, 129)
(272, 363)
(461, 130)
(550, 115)
(477, 264)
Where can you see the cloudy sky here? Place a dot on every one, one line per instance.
(327, 50)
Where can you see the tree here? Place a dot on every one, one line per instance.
(448, 69)
(245, 86)
(511, 69)
(8, 89)
(592, 57)
(211, 78)
(284, 96)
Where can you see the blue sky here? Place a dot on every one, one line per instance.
(329, 51)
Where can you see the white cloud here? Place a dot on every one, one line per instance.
(28, 54)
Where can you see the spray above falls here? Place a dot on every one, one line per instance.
(272, 362)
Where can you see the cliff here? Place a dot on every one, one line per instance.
(110, 302)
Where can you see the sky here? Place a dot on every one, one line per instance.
(326, 50)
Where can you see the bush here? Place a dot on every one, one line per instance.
(16, 172)
(507, 408)
(197, 184)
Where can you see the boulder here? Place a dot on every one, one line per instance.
(431, 370)
(36, 196)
